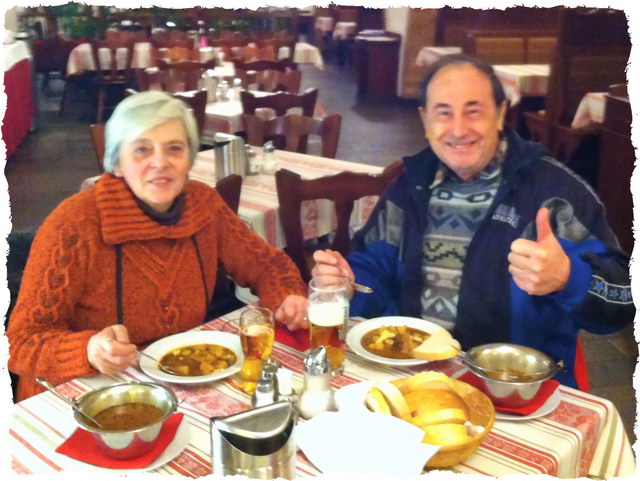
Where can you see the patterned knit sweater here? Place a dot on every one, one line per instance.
(68, 291)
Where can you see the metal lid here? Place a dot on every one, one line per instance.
(317, 362)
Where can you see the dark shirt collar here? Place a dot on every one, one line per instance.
(170, 217)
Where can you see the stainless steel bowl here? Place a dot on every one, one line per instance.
(510, 374)
(131, 443)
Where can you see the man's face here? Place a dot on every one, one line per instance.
(461, 120)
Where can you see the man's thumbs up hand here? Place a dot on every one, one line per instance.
(539, 267)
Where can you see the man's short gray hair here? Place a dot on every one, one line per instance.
(143, 111)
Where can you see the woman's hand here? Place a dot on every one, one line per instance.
(110, 351)
(292, 313)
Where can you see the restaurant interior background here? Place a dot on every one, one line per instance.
(371, 82)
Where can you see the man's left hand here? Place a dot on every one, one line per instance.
(292, 313)
(539, 267)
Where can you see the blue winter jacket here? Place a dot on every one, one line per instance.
(387, 255)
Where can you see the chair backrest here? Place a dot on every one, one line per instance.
(343, 189)
(280, 102)
(276, 81)
(295, 129)
(258, 65)
(97, 139)
(172, 42)
(181, 76)
(540, 49)
(496, 50)
(116, 63)
(591, 54)
(229, 189)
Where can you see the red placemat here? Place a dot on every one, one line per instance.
(546, 390)
(81, 446)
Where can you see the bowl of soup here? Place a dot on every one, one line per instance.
(131, 416)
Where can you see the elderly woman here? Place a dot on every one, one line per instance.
(134, 258)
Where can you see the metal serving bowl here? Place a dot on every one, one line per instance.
(130, 443)
(510, 374)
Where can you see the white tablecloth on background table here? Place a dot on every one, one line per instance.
(590, 111)
(428, 55)
(526, 80)
(344, 30)
(582, 437)
(259, 199)
(324, 24)
(307, 53)
(13, 53)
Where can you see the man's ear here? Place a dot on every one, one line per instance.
(502, 113)
(423, 114)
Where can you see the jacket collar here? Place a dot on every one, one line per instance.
(122, 219)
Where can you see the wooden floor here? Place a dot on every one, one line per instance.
(52, 162)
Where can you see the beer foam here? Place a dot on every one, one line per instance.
(328, 314)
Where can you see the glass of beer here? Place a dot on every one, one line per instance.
(328, 313)
(256, 335)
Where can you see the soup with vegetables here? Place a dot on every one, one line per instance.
(394, 342)
(128, 416)
(197, 360)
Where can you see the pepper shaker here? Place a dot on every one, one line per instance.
(266, 391)
(269, 163)
(317, 395)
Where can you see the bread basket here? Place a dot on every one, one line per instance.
(481, 413)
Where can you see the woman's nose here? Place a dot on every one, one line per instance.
(159, 158)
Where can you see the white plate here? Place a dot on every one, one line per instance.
(163, 346)
(355, 334)
(175, 447)
(549, 406)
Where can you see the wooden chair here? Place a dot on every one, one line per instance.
(592, 53)
(116, 72)
(496, 49)
(257, 65)
(343, 189)
(168, 42)
(277, 43)
(280, 102)
(181, 76)
(97, 139)
(294, 129)
(276, 81)
(540, 49)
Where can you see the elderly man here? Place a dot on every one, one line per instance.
(486, 235)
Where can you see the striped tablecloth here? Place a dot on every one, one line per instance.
(259, 199)
(582, 437)
(428, 55)
(590, 111)
(526, 80)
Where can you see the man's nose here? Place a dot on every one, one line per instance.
(459, 125)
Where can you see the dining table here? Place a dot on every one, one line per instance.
(523, 80)
(428, 55)
(590, 110)
(581, 437)
(81, 59)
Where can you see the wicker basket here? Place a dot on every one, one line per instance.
(481, 413)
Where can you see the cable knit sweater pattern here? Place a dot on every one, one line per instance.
(68, 291)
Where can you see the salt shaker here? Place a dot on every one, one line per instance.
(269, 164)
(237, 87)
(317, 395)
(266, 390)
(253, 162)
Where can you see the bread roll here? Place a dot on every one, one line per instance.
(376, 403)
(430, 400)
(442, 416)
(445, 434)
(423, 380)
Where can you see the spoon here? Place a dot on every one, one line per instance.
(160, 365)
(71, 402)
(361, 288)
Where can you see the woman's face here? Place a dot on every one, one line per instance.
(155, 164)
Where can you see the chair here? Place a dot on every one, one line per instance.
(97, 139)
(257, 65)
(495, 49)
(294, 129)
(280, 102)
(343, 189)
(540, 49)
(224, 299)
(182, 75)
(276, 81)
(115, 71)
(592, 53)
(167, 42)
(45, 59)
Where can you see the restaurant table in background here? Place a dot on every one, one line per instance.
(590, 110)
(428, 55)
(307, 53)
(344, 30)
(259, 199)
(18, 116)
(324, 24)
(526, 80)
(583, 436)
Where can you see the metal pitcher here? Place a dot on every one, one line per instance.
(231, 155)
(257, 443)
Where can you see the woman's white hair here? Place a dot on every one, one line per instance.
(143, 111)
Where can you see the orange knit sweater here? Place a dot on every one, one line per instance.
(68, 290)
